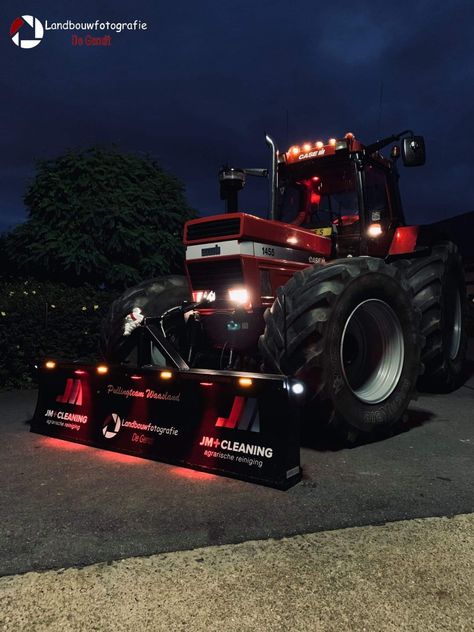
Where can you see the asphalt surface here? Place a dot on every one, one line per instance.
(62, 504)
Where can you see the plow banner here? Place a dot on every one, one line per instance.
(233, 424)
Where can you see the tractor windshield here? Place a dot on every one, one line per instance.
(320, 193)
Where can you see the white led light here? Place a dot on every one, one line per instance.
(297, 388)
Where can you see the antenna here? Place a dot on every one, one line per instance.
(379, 124)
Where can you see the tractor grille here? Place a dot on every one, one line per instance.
(213, 228)
(218, 276)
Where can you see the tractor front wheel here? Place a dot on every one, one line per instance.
(349, 331)
(153, 298)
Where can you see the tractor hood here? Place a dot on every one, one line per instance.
(242, 227)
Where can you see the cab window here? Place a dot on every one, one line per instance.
(376, 198)
(322, 194)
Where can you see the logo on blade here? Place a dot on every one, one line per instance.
(72, 393)
(243, 415)
(112, 425)
(26, 31)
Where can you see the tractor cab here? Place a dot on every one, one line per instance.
(344, 190)
(341, 189)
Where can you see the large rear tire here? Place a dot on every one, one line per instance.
(352, 337)
(153, 297)
(439, 290)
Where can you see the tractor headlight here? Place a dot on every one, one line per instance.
(204, 295)
(239, 295)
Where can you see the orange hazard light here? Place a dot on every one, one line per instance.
(245, 382)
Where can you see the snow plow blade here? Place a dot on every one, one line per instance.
(242, 425)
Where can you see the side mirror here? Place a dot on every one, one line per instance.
(413, 151)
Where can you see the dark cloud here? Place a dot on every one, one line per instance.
(206, 80)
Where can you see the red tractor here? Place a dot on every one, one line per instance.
(333, 289)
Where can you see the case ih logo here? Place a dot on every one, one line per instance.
(211, 252)
(26, 31)
(72, 393)
(243, 415)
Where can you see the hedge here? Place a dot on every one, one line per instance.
(43, 319)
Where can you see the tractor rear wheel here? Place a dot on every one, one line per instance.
(439, 292)
(153, 297)
(352, 336)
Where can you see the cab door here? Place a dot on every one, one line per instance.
(381, 207)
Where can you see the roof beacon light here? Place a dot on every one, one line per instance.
(332, 141)
(307, 147)
(295, 150)
(319, 144)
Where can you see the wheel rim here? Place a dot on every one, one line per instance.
(455, 328)
(372, 351)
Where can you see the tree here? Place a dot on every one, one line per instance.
(100, 216)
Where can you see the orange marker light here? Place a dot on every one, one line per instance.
(245, 382)
(295, 150)
(307, 147)
(166, 375)
(50, 364)
(319, 144)
(102, 369)
(332, 141)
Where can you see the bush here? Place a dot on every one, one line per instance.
(99, 215)
(44, 319)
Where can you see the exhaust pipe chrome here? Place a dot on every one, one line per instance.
(273, 176)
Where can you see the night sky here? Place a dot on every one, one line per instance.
(204, 82)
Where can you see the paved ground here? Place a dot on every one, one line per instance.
(408, 576)
(62, 504)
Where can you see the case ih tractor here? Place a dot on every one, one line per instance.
(333, 300)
